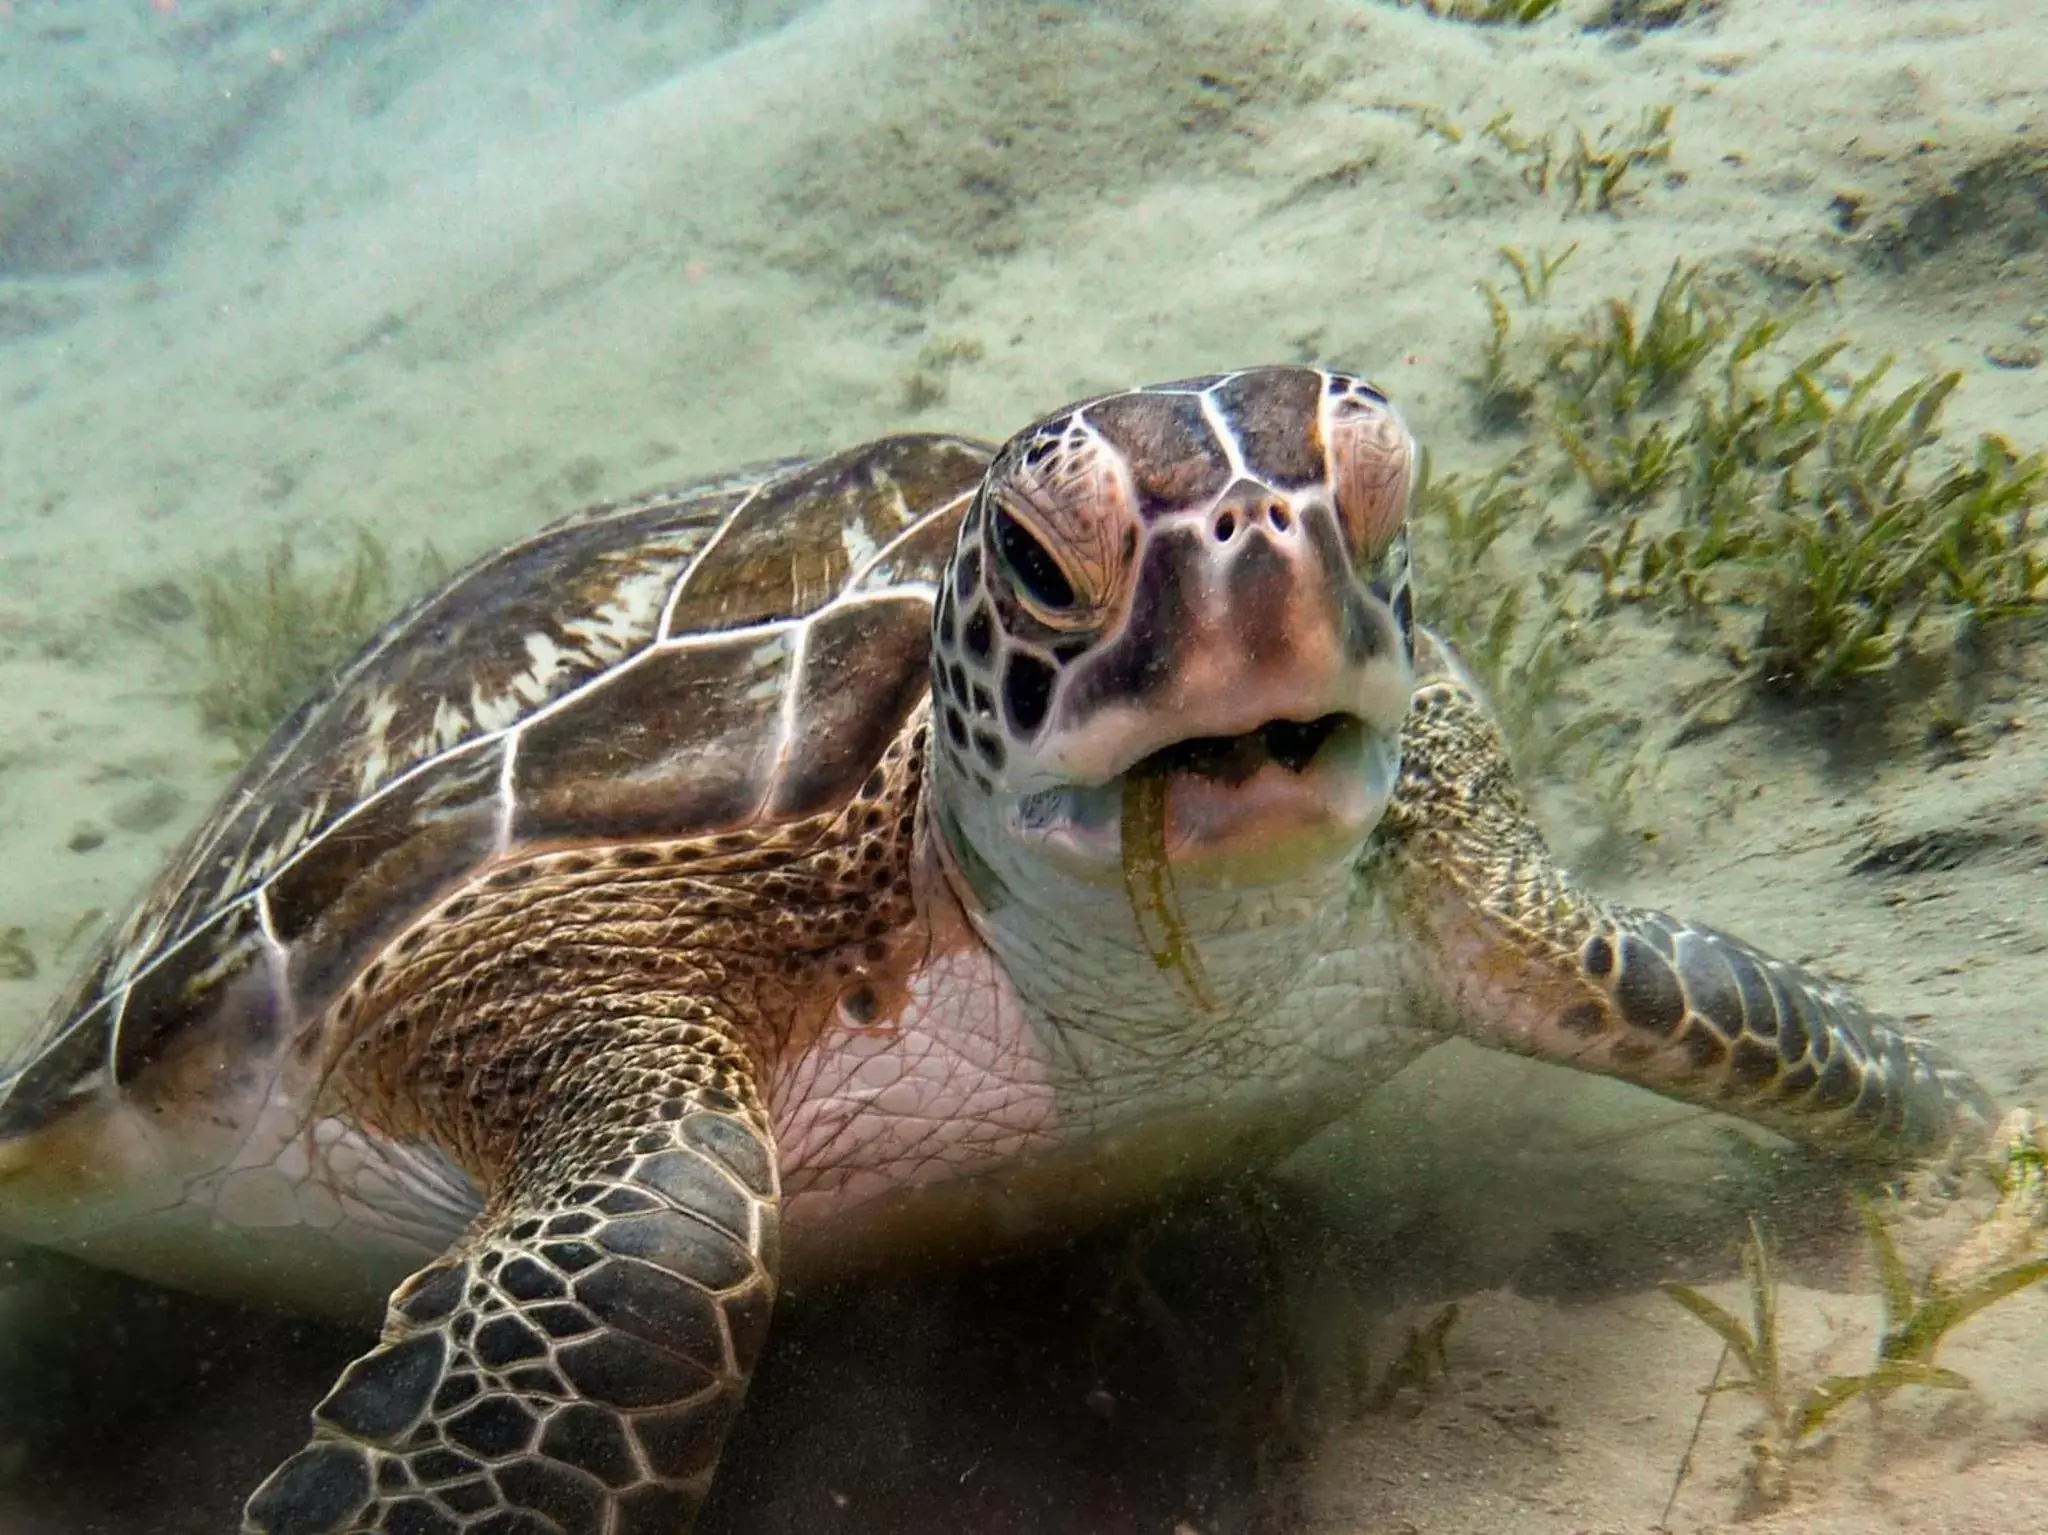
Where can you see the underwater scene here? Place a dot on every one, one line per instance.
(1288, 757)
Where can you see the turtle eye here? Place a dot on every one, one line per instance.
(1033, 570)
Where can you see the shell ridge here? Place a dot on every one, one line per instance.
(664, 629)
(860, 576)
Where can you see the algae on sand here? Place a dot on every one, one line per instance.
(273, 635)
(2000, 1257)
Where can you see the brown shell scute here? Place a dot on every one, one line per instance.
(866, 666)
(846, 509)
(694, 661)
(672, 743)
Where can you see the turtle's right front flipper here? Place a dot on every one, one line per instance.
(579, 1355)
(1516, 956)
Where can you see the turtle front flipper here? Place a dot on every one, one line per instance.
(1518, 957)
(579, 1355)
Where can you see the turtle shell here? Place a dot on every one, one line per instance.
(732, 653)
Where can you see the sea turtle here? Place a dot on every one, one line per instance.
(924, 849)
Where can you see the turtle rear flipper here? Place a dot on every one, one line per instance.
(579, 1355)
(1516, 956)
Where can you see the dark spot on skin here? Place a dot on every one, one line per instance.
(691, 1183)
(956, 727)
(567, 1501)
(1705, 1050)
(1648, 993)
(1712, 988)
(664, 1310)
(1656, 930)
(1584, 1019)
(505, 1342)
(562, 1321)
(1796, 1029)
(1597, 957)
(455, 1390)
(570, 1257)
(967, 573)
(990, 750)
(984, 703)
(617, 1370)
(1759, 998)
(382, 1393)
(433, 1295)
(1027, 693)
(591, 1440)
(1404, 615)
(980, 634)
(1753, 1064)
(734, 1147)
(860, 1005)
(1632, 1050)
(320, 1488)
(1840, 1082)
(468, 1497)
(495, 1427)
(956, 678)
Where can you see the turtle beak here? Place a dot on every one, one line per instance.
(1253, 808)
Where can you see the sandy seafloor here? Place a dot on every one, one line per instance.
(441, 271)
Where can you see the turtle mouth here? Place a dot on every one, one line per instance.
(1234, 759)
(1251, 808)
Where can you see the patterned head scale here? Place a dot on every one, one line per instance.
(1214, 570)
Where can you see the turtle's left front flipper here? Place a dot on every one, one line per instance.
(572, 1364)
(1519, 958)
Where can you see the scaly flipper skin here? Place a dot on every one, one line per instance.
(580, 1355)
(1519, 958)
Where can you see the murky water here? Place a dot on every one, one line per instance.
(305, 308)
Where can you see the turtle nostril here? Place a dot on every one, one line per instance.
(1278, 517)
(1226, 527)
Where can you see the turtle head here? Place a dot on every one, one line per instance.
(1200, 586)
